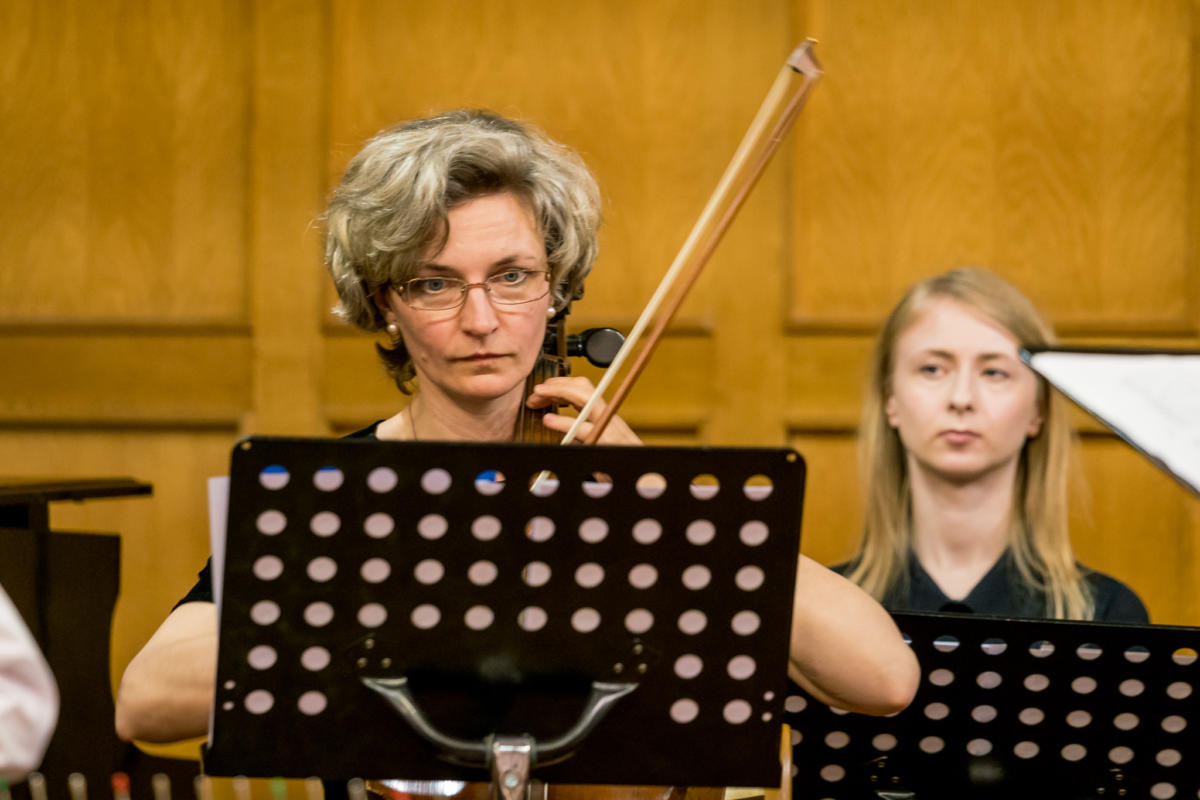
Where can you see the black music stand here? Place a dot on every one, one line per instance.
(627, 620)
(1015, 707)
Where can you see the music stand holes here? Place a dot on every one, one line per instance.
(321, 569)
(489, 483)
(432, 526)
(753, 533)
(1084, 684)
(1031, 716)
(479, 618)
(1081, 719)
(979, 747)
(647, 531)
(585, 620)
(274, 478)
(741, 667)
(325, 523)
(482, 573)
(696, 577)
(379, 525)
(259, 701)
(375, 570)
(936, 711)
(643, 576)
(1136, 654)
(539, 529)
(639, 620)
(436, 481)
(988, 680)
(945, 644)
(532, 618)
(593, 530)
(993, 647)
(485, 528)
(841, 712)
(1041, 649)
(1163, 791)
(768, 696)
(328, 479)
(1179, 690)
(429, 571)
(228, 705)
(983, 714)
(736, 712)
(262, 657)
(1126, 721)
(797, 737)
(264, 612)
(651, 485)
(318, 614)
(767, 716)
(692, 621)
(536, 574)
(312, 703)
(884, 742)
(1088, 652)
(315, 659)
(689, 665)
(382, 480)
(1184, 656)
(230, 685)
(599, 486)
(1174, 723)
(749, 578)
(1131, 687)
(1026, 749)
(372, 615)
(1120, 755)
(941, 677)
(1036, 682)
(794, 704)
(700, 532)
(425, 616)
(932, 744)
(745, 623)
(590, 575)
(270, 523)
(1073, 752)
(543, 483)
(1168, 758)
(684, 710)
(268, 568)
(758, 487)
(704, 487)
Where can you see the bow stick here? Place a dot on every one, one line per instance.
(775, 117)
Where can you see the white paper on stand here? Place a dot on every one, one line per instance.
(218, 511)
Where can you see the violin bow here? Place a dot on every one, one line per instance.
(774, 119)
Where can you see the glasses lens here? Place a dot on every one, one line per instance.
(434, 294)
(518, 286)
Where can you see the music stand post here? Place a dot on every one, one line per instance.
(1016, 706)
(412, 610)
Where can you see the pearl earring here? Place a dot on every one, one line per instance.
(550, 312)
(393, 330)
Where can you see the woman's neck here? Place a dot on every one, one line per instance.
(434, 416)
(960, 530)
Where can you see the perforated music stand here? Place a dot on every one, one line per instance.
(430, 568)
(1015, 707)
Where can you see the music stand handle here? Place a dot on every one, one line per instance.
(478, 752)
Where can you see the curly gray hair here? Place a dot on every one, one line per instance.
(390, 209)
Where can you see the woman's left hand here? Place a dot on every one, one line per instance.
(575, 392)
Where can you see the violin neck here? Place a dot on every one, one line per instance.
(551, 363)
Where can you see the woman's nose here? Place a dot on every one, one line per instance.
(477, 314)
(962, 392)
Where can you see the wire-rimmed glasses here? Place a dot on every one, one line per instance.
(511, 287)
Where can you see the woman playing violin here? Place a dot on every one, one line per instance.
(461, 235)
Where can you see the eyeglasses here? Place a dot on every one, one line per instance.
(510, 288)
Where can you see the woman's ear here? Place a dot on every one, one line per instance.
(889, 409)
(1035, 425)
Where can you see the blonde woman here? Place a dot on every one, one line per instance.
(965, 454)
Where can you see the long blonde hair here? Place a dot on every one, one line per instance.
(1040, 544)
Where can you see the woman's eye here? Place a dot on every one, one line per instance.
(513, 277)
(930, 369)
(995, 373)
(430, 285)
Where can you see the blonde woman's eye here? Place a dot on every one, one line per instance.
(513, 277)
(430, 285)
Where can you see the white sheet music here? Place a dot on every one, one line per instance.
(1150, 399)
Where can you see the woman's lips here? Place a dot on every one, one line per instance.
(959, 436)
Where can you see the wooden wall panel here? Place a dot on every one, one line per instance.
(124, 154)
(1050, 140)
